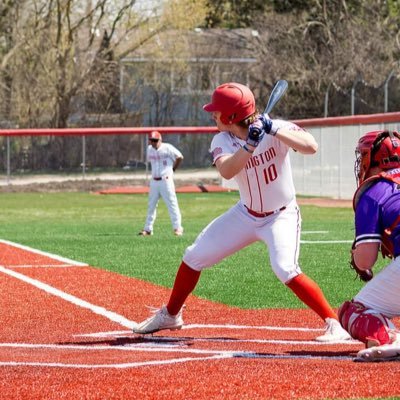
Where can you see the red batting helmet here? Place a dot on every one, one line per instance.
(377, 149)
(235, 102)
(155, 135)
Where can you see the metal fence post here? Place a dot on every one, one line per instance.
(145, 140)
(326, 100)
(8, 161)
(353, 93)
(386, 90)
(83, 157)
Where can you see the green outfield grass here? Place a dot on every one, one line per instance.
(102, 231)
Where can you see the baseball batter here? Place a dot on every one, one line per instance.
(164, 159)
(377, 222)
(254, 150)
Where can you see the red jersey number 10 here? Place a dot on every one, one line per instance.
(270, 174)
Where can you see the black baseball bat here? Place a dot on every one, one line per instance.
(277, 92)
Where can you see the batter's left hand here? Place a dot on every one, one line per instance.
(256, 133)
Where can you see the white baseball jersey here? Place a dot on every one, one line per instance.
(162, 159)
(266, 183)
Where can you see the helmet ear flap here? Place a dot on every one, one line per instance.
(227, 120)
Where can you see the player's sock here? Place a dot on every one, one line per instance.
(311, 295)
(185, 282)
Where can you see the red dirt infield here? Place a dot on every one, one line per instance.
(66, 335)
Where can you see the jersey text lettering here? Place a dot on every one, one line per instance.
(261, 158)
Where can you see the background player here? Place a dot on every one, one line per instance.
(377, 223)
(254, 150)
(164, 159)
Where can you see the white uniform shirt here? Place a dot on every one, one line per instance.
(266, 183)
(162, 159)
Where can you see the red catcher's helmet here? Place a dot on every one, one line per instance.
(155, 135)
(376, 149)
(235, 102)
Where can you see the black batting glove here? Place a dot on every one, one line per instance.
(256, 133)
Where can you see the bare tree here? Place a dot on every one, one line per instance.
(334, 43)
(61, 48)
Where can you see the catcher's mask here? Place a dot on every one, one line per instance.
(235, 102)
(376, 149)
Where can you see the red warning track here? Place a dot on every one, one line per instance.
(65, 333)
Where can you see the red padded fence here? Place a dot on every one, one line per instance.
(107, 131)
(329, 121)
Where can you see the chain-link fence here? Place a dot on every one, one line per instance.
(362, 97)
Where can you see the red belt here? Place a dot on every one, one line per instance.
(160, 179)
(264, 214)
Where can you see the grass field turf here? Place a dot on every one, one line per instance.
(102, 231)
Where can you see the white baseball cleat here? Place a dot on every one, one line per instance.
(333, 332)
(159, 321)
(386, 352)
(178, 232)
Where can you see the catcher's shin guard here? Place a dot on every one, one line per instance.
(366, 325)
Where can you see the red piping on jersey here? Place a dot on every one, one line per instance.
(296, 254)
(248, 185)
(259, 190)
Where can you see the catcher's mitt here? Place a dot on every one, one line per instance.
(363, 274)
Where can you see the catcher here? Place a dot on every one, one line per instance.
(377, 224)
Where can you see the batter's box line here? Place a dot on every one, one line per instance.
(215, 326)
(169, 341)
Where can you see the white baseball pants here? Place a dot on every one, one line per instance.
(237, 229)
(164, 188)
(382, 292)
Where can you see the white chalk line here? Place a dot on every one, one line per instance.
(112, 316)
(43, 253)
(110, 366)
(43, 266)
(325, 241)
(321, 241)
(207, 355)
